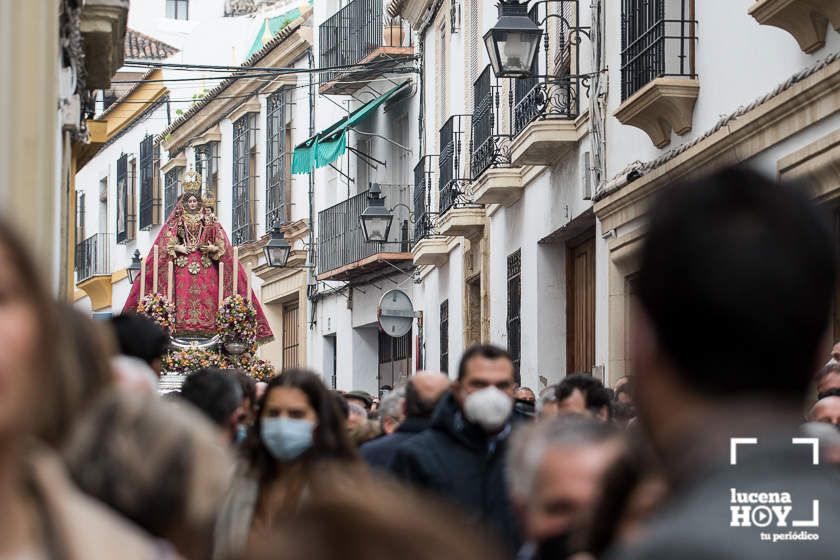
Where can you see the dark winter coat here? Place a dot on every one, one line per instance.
(379, 453)
(456, 460)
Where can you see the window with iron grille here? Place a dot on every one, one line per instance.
(527, 92)
(450, 176)
(170, 190)
(207, 167)
(244, 164)
(131, 230)
(275, 158)
(483, 144)
(444, 336)
(147, 193)
(567, 18)
(657, 39)
(156, 190)
(122, 199)
(178, 9)
(422, 220)
(514, 306)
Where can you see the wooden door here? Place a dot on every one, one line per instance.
(580, 305)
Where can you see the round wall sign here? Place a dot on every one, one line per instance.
(396, 313)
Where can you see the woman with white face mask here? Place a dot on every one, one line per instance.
(297, 447)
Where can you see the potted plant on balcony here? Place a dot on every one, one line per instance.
(394, 33)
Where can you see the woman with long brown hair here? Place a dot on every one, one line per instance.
(43, 515)
(297, 448)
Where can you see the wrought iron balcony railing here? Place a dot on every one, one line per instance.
(92, 257)
(551, 94)
(658, 39)
(549, 98)
(483, 141)
(422, 198)
(356, 31)
(341, 240)
(454, 155)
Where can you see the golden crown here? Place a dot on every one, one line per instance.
(191, 183)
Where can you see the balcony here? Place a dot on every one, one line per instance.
(360, 34)
(544, 119)
(428, 249)
(422, 198)
(343, 253)
(546, 105)
(463, 221)
(493, 179)
(103, 28)
(806, 20)
(484, 152)
(453, 172)
(659, 85)
(93, 269)
(499, 185)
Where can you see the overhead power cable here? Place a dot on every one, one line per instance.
(393, 65)
(276, 69)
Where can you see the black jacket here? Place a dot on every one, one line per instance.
(380, 452)
(455, 460)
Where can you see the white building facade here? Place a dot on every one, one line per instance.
(380, 100)
(518, 204)
(536, 251)
(240, 138)
(162, 122)
(112, 223)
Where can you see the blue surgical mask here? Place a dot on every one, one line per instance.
(286, 438)
(241, 434)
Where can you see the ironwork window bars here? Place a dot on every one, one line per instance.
(148, 201)
(658, 39)
(244, 144)
(275, 156)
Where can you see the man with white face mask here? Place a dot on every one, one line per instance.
(461, 457)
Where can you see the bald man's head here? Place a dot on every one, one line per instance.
(423, 392)
(826, 410)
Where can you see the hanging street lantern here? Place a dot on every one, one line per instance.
(376, 219)
(277, 249)
(513, 42)
(133, 269)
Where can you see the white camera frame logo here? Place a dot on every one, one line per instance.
(763, 508)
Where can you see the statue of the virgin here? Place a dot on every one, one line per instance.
(194, 241)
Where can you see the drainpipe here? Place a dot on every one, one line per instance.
(598, 98)
(312, 285)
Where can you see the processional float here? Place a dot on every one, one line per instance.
(196, 280)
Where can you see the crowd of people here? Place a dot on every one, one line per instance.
(735, 281)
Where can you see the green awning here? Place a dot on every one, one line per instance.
(272, 26)
(328, 145)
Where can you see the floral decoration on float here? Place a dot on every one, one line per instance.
(160, 310)
(189, 360)
(236, 323)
